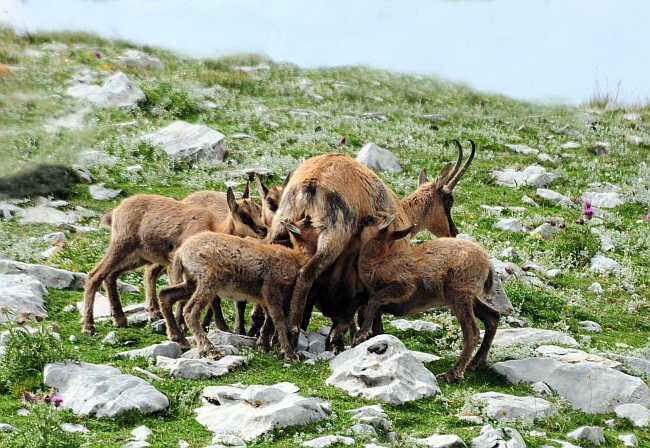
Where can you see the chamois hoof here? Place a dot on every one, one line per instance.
(359, 338)
(212, 353)
(292, 357)
(90, 329)
(155, 316)
(448, 377)
(475, 364)
(120, 322)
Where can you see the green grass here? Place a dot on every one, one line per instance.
(36, 94)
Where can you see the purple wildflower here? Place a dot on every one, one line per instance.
(343, 140)
(97, 54)
(587, 204)
(57, 400)
(647, 216)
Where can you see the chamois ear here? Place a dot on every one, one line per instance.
(291, 228)
(260, 186)
(443, 175)
(286, 180)
(384, 225)
(422, 178)
(399, 234)
(246, 194)
(232, 202)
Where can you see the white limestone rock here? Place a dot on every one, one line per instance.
(533, 175)
(92, 157)
(218, 337)
(328, 440)
(522, 149)
(192, 369)
(499, 406)
(168, 349)
(640, 364)
(20, 294)
(595, 287)
(603, 389)
(50, 277)
(415, 325)
(117, 91)
(592, 433)
(573, 356)
(101, 193)
(139, 59)
(249, 413)
(545, 230)
(442, 441)
(640, 415)
(382, 368)
(100, 390)
(528, 336)
(553, 196)
(628, 439)
(591, 326)
(378, 159)
(46, 215)
(182, 141)
(604, 200)
(511, 224)
(69, 427)
(490, 437)
(601, 263)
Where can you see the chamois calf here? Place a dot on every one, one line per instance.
(442, 273)
(270, 198)
(237, 269)
(249, 213)
(148, 229)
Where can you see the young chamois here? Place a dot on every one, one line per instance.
(148, 229)
(237, 269)
(270, 198)
(443, 273)
(340, 192)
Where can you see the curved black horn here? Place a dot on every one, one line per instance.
(456, 177)
(458, 161)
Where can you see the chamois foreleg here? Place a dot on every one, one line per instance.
(275, 310)
(462, 307)
(393, 293)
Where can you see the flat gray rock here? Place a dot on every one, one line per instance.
(102, 308)
(117, 91)
(139, 59)
(511, 224)
(50, 277)
(382, 368)
(534, 175)
(522, 149)
(328, 440)
(499, 299)
(92, 157)
(573, 356)
(601, 263)
(101, 193)
(638, 414)
(100, 390)
(628, 439)
(182, 141)
(46, 215)
(9, 210)
(490, 437)
(442, 441)
(604, 389)
(604, 200)
(529, 336)
(249, 413)
(167, 349)
(499, 406)
(192, 369)
(553, 196)
(592, 433)
(20, 294)
(378, 159)
(591, 326)
(415, 325)
(218, 337)
(640, 364)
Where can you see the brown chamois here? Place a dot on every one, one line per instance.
(340, 192)
(250, 213)
(443, 273)
(146, 229)
(270, 198)
(237, 269)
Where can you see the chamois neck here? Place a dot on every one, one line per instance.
(417, 206)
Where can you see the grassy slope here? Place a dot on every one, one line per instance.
(37, 93)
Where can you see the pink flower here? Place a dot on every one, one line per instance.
(647, 216)
(97, 54)
(343, 140)
(57, 400)
(588, 212)
(587, 204)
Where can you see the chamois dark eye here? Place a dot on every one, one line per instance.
(272, 205)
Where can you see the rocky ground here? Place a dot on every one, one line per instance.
(557, 195)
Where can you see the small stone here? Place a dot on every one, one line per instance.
(101, 193)
(596, 288)
(635, 140)
(527, 200)
(542, 389)
(475, 419)
(511, 224)
(629, 439)
(6, 427)
(592, 433)
(522, 149)
(23, 412)
(111, 338)
(591, 326)
(72, 338)
(509, 253)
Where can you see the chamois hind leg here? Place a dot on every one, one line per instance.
(108, 270)
(151, 273)
(276, 312)
(258, 316)
(266, 330)
(462, 307)
(215, 310)
(490, 318)
(240, 318)
(206, 290)
(168, 296)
